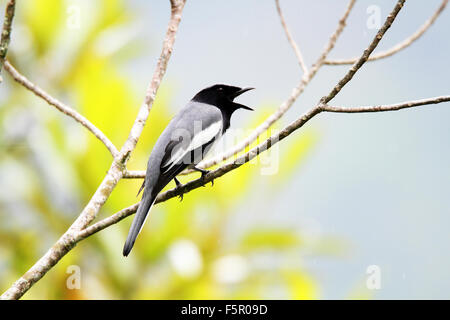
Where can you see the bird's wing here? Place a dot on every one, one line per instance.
(177, 149)
(193, 128)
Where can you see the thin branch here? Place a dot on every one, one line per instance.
(365, 56)
(61, 107)
(176, 10)
(291, 40)
(390, 107)
(102, 224)
(6, 31)
(69, 239)
(134, 174)
(284, 107)
(400, 46)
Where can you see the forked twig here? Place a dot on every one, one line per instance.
(290, 39)
(400, 46)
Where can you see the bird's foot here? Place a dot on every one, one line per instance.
(179, 185)
(204, 173)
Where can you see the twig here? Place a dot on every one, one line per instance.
(390, 107)
(134, 174)
(6, 31)
(69, 239)
(291, 40)
(61, 107)
(400, 46)
(365, 56)
(176, 9)
(102, 224)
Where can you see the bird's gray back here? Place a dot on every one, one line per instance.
(190, 118)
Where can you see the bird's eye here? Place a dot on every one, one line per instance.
(220, 89)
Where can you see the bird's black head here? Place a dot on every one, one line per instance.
(222, 96)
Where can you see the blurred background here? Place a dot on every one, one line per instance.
(349, 191)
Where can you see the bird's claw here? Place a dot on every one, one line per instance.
(179, 185)
(204, 173)
(212, 183)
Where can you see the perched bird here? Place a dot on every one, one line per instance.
(183, 144)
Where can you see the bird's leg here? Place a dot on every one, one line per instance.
(178, 183)
(204, 172)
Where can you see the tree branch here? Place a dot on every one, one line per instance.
(176, 10)
(6, 32)
(400, 46)
(290, 39)
(102, 224)
(19, 78)
(134, 174)
(365, 56)
(69, 239)
(389, 107)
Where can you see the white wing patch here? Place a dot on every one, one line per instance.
(200, 138)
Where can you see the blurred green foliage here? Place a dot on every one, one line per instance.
(50, 166)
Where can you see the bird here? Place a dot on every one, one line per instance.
(183, 144)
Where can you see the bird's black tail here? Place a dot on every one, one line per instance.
(144, 208)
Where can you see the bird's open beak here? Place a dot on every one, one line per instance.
(238, 93)
(241, 91)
